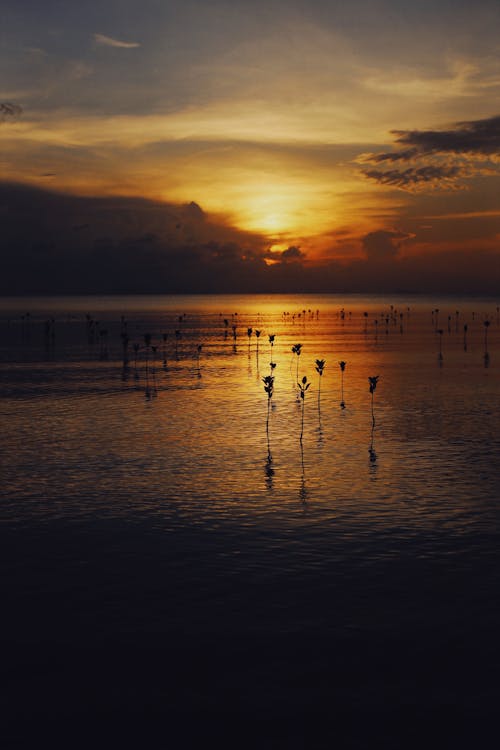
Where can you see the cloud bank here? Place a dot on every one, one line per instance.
(53, 243)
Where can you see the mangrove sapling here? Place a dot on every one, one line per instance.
(373, 385)
(125, 342)
(198, 352)
(249, 334)
(303, 387)
(465, 337)
(271, 341)
(320, 366)
(147, 342)
(297, 349)
(257, 336)
(342, 365)
(268, 381)
(165, 337)
(440, 332)
(136, 351)
(486, 352)
(154, 349)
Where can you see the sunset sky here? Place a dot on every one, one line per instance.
(219, 146)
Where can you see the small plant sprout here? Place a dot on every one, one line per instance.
(486, 324)
(296, 349)
(136, 351)
(147, 342)
(342, 365)
(271, 341)
(257, 336)
(465, 336)
(154, 349)
(268, 381)
(125, 342)
(249, 334)
(320, 366)
(373, 386)
(303, 387)
(165, 337)
(440, 332)
(198, 352)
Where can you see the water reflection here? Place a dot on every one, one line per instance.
(269, 472)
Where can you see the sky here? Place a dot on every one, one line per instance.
(250, 146)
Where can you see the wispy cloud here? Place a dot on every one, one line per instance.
(109, 41)
(438, 158)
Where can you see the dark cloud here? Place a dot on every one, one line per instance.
(416, 176)
(439, 156)
(8, 110)
(292, 254)
(479, 137)
(60, 244)
(383, 244)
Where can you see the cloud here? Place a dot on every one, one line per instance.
(111, 42)
(52, 243)
(8, 110)
(438, 158)
(290, 255)
(383, 244)
(476, 137)
(415, 177)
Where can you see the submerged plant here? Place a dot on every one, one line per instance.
(342, 365)
(303, 387)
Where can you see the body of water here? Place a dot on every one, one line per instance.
(149, 517)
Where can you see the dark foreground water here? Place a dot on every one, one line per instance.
(167, 564)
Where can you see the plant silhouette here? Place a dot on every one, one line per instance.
(342, 365)
(268, 381)
(303, 387)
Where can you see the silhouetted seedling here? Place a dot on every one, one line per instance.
(373, 385)
(342, 365)
(320, 366)
(198, 353)
(147, 342)
(486, 352)
(271, 341)
(440, 353)
(303, 387)
(165, 364)
(268, 381)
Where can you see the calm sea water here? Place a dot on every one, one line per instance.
(139, 496)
